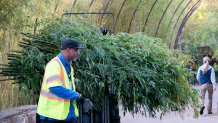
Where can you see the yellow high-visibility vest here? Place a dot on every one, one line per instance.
(50, 105)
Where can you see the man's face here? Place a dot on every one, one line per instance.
(73, 54)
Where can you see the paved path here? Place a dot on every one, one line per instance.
(175, 117)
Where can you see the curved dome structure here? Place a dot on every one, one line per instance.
(164, 19)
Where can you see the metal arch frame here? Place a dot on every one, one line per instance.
(185, 19)
(104, 10)
(162, 17)
(93, 13)
(74, 3)
(146, 20)
(174, 13)
(148, 16)
(121, 8)
(133, 15)
(181, 14)
(90, 4)
(171, 37)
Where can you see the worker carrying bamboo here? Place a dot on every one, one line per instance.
(58, 97)
(207, 80)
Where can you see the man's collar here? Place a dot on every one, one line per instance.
(63, 60)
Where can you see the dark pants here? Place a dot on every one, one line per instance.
(48, 121)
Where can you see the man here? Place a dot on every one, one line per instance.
(206, 78)
(58, 96)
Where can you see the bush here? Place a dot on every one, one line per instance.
(145, 76)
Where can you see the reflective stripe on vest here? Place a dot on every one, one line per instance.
(52, 96)
(53, 78)
(49, 104)
(62, 72)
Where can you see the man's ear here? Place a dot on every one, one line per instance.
(68, 49)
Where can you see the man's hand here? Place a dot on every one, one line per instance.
(80, 99)
(206, 66)
(87, 105)
(214, 88)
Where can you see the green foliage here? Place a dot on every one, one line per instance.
(201, 29)
(141, 71)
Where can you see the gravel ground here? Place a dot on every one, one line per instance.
(172, 117)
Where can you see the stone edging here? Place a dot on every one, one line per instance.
(23, 114)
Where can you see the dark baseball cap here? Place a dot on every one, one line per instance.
(70, 43)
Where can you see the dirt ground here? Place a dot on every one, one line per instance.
(175, 117)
